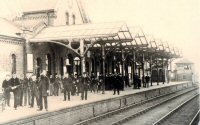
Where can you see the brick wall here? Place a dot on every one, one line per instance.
(7, 49)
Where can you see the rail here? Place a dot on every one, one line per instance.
(159, 122)
(194, 120)
(129, 107)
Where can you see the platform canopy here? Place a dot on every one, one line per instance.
(104, 31)
(138, 41)
(114, 35)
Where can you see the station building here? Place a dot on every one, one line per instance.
(184, 70)
(58, 36)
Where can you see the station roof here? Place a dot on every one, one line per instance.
(104, 31)
(8, 28)
(138, 37)
(116, 36)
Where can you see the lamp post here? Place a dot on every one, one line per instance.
(77, 62)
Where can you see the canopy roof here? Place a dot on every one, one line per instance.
(139, 38)
(116, 36)
(105, 31)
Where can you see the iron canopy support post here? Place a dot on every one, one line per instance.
(163, 76)
(103, 64)
(133, 66)
(151, 70)
(123, 62)
(157, 71)
(143, 70)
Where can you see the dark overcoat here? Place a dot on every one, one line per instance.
(67, 84)
(84, 84)
(15, 82)
(43, 85)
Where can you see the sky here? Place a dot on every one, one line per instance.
(174, 21)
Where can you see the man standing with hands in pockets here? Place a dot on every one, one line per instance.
(43, 90)
(67, 85)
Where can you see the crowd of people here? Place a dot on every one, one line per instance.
(138, 81)
(116, 80)
(27, 89)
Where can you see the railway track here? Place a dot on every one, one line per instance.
(183, 114)
(127, 113)
(196, 119)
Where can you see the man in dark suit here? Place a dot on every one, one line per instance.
(84, 85)
(137, 81)
(147, 79)
(118, 83)
(57, 84)
(115, 81)
(43, 90)
(67, 85)
(25, 90)
(15, 83)
(6, 89)
(74, 79)
(92, 85)
(51, 89)
(34, 90)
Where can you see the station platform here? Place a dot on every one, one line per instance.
(56, 105)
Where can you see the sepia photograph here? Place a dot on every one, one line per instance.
(99, 62)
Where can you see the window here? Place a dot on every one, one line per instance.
(67, 18)
(73, 19)
(13, 61)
